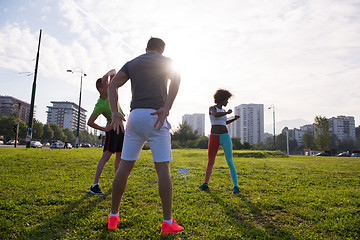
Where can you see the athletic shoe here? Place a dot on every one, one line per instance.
(236, 190)
(204, 186)
(96, 190)
(113, 221)
(173, 228)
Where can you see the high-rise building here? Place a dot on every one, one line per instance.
(296, 134)
(65, 114)
(250, 126)
(308, 128)
(10, 105)
(343, 127)
(196, 121)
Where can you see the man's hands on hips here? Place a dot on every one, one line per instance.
(162, 114)
(117, 122)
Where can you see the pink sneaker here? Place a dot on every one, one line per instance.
(173, 228)
(113, 221)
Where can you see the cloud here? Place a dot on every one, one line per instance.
(301, 56)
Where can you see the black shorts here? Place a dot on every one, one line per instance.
(114, 142)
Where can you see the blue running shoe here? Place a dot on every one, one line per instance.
(236, 190)
(204, 186)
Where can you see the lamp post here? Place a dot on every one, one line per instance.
(273, 107)
(77, 69)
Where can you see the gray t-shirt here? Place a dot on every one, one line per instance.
(149, 74)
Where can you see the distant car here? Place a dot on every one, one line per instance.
(57, 144)
(1, 142)
(85, 145)
(68, 145)
(12, 142)
(36, 144)
(324, 154)
(355, 155)
(344, 154)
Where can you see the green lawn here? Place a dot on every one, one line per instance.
(43, 195)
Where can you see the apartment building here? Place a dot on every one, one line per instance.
(65, 114)
(10, 105)
(250, 126)
(196, 121)
(343, 127)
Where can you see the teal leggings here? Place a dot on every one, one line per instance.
(215, 141)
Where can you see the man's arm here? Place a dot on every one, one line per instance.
(91, 123)
(164, 111)
(117, 118)
(110, 74)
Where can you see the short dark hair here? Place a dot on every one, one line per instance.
(99, 84)
(156, 44)
(222, 95)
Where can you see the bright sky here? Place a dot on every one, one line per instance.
(301, 56)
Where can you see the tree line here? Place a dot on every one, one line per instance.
(44, 133)
(185, 137)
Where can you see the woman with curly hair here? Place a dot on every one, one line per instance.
(220, 136)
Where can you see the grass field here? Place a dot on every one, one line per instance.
(43, 195)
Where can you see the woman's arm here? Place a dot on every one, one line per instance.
(233, 119)
(212, 111)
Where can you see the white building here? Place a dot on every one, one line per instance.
(196, 121)
(297, 135)
(343, 127)
(65, 114)
(250, 126)
(308, 128)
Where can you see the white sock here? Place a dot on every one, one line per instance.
(116, 215)
(94, 184)
(169, 221)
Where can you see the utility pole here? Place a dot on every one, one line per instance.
(17, 121)
(31, 114)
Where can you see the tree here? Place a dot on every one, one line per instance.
(236, 141)
(6, 127)
(38, 129)
(183, 134)
(247, 145)
(280, 142)
(308, 140)
(322, 133)
(202, 142)
(70, 137)
(260, 146)
(48, 133)
(58, 133)
(22, 131)
(347, 144)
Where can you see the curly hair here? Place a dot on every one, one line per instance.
(221, 95)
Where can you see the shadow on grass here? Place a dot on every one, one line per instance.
(268, 230)
(64, 223)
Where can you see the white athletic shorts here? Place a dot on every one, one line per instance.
(140, 128)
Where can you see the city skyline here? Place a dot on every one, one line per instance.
(302, 57)
(280, 125)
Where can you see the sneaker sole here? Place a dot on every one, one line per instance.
(95, 193)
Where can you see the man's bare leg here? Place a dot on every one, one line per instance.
(119, 184)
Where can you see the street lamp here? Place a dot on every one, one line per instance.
(273, 107)
(77, 69)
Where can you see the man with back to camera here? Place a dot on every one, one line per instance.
(113, 140)
(150, 105)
